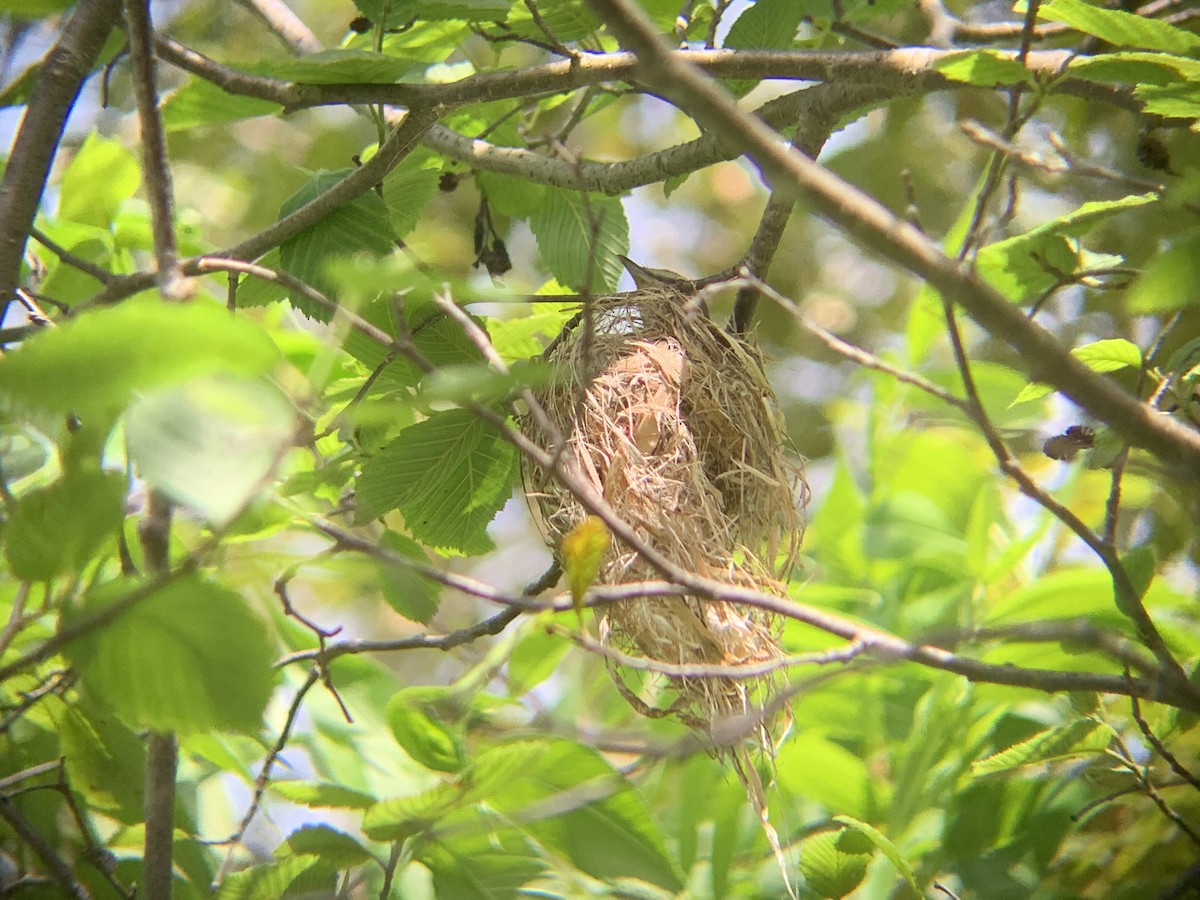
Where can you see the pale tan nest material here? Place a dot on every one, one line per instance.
(674, 423)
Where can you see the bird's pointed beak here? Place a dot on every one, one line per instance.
(642, 277)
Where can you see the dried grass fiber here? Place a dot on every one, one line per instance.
(673, 422)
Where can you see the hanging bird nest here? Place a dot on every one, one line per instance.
(673, 422)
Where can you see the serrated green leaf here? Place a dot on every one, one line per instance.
(448, 476)
(577, 234)
(200, 102)
(890, 850)
(402, 817)
(100, 177)
(829, 871)
(272, 880)
(1099, 356)
(322, 794)
(568, 20)
(1136, 67)
(190, 657)
(408, 188)
(1120, 28)
(1173, 101)
(1051, 744)
(360, 226)
(57, 529)
(95, 362)
(423, 736)
(1027, 264)
(985, 68)
(210, 444)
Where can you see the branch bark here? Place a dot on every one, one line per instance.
(66, 67)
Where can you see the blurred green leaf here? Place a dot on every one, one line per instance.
(105, 761)
(399, 818)
(273, 881)
(319, 794)
(210, 444)
(423, 736)
(1169, 280)
(533, 659)
(100, 177)
(189, 657)
(95, 362)
(890, 850)
(333, 847)
(200, 102)
(57, 529)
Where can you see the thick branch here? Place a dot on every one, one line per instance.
(906, 70)
(67, 66)
(877, 229)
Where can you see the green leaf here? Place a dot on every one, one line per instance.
(890, 850)
(448, 475)
(1135, 67)
(190, 657)
(94, 363)
(1099, 356)
(572, 229)
(321, 794)
(569, 20)
(1120, 28)
(101, 176)
(200, 102)
(408, 592)
(336, 848)
(1173, 101)
(1023, 266)
(510, 196)
(402, 817)
(57, 529)
(984, 68)
(400, 11)
(338, 67)
(765, 25)
(423, 737)
(844, 785)
(360, 226)
(408, 188)
(210, 444)
(572, 801)
(271, 881)
(482, 866)
(534, 659)
(105, 762)
(1061, 742)
(828, 870)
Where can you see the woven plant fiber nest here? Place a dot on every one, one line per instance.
(673, 422)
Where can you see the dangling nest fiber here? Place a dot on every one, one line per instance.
(673, 422)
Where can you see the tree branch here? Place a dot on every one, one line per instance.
(64, 71)
(877, 229)
(155, 164)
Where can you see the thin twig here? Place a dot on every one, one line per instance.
(155, 165)
(57, 867)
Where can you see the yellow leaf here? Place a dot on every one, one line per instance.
(583, 549)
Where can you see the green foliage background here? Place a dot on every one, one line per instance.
(321, 645)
